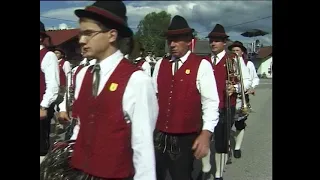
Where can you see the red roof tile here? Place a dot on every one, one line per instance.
(264, 52)
(58, 37)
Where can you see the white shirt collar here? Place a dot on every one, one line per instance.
(111, 62)
(183, 58)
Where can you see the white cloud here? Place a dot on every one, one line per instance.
(201, 15)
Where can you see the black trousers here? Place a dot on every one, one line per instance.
(222, 131)
(247, 98)
(45, 125)
(174, 153)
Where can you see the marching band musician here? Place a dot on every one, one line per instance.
(142, 63)
(118, 110)
(64, 66)
(237, 47)
(217, 40)
(49, 88)
(187, 93)
(64, 73)
(254, 77)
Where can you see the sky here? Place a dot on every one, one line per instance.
(236, 16)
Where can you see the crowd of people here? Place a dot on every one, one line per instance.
(142, 118)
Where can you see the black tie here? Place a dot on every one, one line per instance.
(176, 65)
(95, 86)
(214, 59)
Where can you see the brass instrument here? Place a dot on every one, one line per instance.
(244, 105)
(231, 71)
(235, 75)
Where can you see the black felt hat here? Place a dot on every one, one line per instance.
(178, 26)
(110, 13)
(218, 32)
(238, 44)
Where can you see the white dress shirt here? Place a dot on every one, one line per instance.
(253, 74)
(244, 70)
(140, 106)
(206, 84)
(84, 61)
(148, 59)
(50, 68)
(67, 70)
(145, 67)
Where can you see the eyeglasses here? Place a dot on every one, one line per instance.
(90, 33)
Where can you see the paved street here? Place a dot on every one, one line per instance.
(256, 160)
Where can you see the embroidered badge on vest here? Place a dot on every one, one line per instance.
(113, 87)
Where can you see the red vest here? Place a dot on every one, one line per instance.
(103, 146)
(178, 97)
(43, 52)
(220, 73)
(63, 78)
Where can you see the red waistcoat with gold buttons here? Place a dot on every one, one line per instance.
(178, 97)
(103, 146)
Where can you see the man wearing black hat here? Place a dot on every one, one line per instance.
(217, 40)
(64, 66)
(114, 101)
(237, 47)
(64, 74)
(49, 88)
(188, 105)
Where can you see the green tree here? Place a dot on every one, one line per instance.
(195, 34)
(150, 32)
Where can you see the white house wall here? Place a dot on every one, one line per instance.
(265, 67)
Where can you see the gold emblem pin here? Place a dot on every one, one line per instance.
(187, 71)
(113, 86)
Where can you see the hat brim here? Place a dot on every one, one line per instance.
(109, 21)
(236, 45)
(217, 35)
(178, 32)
